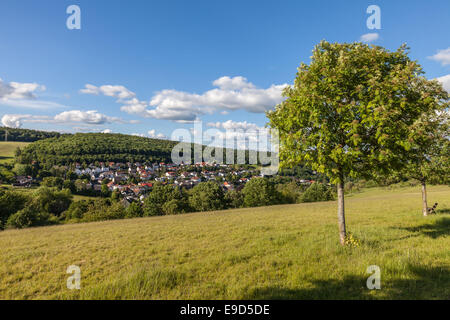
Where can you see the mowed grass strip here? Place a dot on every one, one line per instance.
(7, 150)
(278, 252)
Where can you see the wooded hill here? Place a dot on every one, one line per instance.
(91, 147)
(25, 135)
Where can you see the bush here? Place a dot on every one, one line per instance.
(134, 210)
(234, 199)
(260, 192)
(30, 216)
(76, 210)
(288, 192)
(174, 206)
(317, 192)
(53, 201)
(10, 203)
(100, 210)
(158, 197)
(207, 196)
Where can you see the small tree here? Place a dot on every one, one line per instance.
(429, 160)
(350, 112)
(260, 192)
(207, 196)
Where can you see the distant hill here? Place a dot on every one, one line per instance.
(25, 135)
(91, 147)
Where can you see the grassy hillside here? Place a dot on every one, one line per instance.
(7, 150)
(288, 252)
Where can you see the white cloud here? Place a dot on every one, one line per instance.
(445, 80)
(19, 91)
(153, 134)
(369, 37)
(443, 56)
(106, 131)
(230, 94)
(119, 92)
(89, 117)
(234, 125)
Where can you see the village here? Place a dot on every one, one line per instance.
(133, 181)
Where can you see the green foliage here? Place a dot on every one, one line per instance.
(26, 135)
(175, 206)
(57, 182)
(91, 147)
(260, 192)
(134, 210)
(159, 195)
(234, 199)
(100, 210)
(10, 203)
(76, 210)
(22, 169)
(51, 200)
(317, 192)
(351, 111)
(289, 192)
(207, 196)
(30, 216)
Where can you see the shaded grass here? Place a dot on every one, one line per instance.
(278, 252)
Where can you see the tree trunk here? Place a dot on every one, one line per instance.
(341, 211)
(424, 199)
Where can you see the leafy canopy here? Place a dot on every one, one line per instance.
(350, 110)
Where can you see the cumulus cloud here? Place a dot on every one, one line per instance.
(229, 94)
(234, 125)
(106, 131)
(153, 134)
(369, 37)
(119, 92)
(19, 91)
(91, 117)
(445, 80)
(442, 56)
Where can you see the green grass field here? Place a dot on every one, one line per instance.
(279, 252)
(7, 150)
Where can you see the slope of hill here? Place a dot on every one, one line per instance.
(7, 150)
(288, 251)
(25, 135)
(91, 147)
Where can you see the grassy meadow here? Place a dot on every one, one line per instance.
(278, 252)
(7, 150)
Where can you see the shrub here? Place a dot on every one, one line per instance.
(207, 196)
(100, 210)
(53, 201)
(134, 210)
(10, 203)
(76, 210)
(234, 199)
(288, 192)
(29, 216)
(260, 192)
(174, 206)
(158, 197)
(317, 192)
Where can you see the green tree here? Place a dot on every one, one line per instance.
(350, 112)
(159, 195)
(317, 192)
(207, 196)
(430, 152)
(260, 192)
(134, 210)
(10, 203)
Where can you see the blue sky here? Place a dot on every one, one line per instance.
(140, 66)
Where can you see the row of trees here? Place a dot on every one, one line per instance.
(360, 111)
(50, 205)
(25, 135)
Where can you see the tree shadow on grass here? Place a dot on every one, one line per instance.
(433, 230)
(425, 283)
(443, 211)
